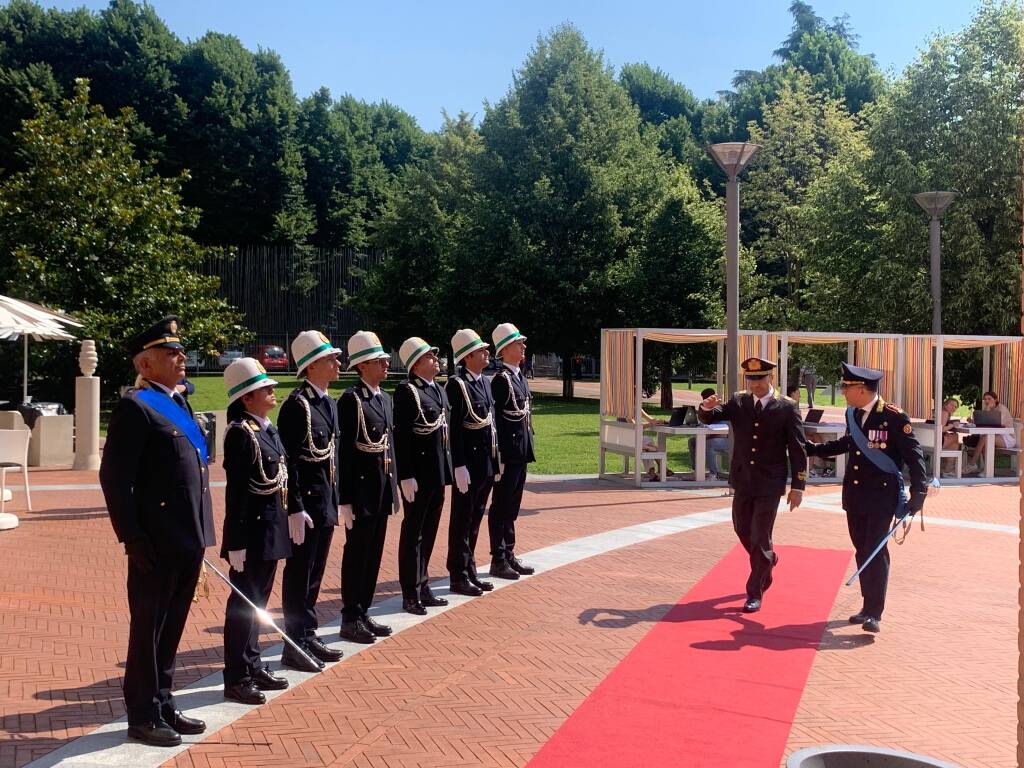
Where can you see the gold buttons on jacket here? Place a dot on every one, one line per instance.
(755, 437)
(751, 461)
(856, 482)
(858, 453)
(163, 503)
(856, 466)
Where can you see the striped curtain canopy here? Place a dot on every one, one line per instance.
(1008, 377)
(918, 376)
(879, 354)
(243, 376)
(618, 373)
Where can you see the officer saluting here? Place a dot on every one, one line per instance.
(424, 469)
(474, 448)
(766, 431)
(879, 440)
(309, 431)
(255, 525)
(512, 400)
(368, 484)
(154, 479)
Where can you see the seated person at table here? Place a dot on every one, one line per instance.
(990, 402)
(714, 446)
(651, 465)
(950, 439)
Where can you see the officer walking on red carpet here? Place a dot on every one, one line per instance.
(474, 449)
(512, 400)
(156, 485)
(424, 470)
(368, 484)
(309, 430)
(255, 525)
(766, 431)
(879, 441)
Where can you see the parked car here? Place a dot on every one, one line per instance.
(191, 360)
(272, 357)
(228, 356)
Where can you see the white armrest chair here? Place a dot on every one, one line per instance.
(925, 435)
(13, 454)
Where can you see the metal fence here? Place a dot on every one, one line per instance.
(265, 282)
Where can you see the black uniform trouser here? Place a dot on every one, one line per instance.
(420, 521)
(753, 519)
(360, 564)
(865, 533)
(300, 584)
(159, 602)
(464, 527)
(505, 503)
(241, 625)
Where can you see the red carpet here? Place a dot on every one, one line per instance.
(710, 685)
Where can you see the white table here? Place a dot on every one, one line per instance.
(830, 430)
(990, 443)
(702, 432)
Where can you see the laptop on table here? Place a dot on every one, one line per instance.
(987, 419)
(684, 416)
(813, 416)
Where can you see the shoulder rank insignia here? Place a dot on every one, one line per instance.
(894, 407)
(253, 425)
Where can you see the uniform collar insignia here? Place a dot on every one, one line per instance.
(253, 424)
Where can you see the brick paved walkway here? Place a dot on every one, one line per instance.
(489, 682)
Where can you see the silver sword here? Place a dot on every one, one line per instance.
(881, 544)
(262, 614)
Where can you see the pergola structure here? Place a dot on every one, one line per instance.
(912, 365)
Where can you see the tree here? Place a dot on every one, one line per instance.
(570, 176)
(427, 280)
(89, 229)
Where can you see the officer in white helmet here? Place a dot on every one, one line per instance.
(512, 400)
(368, 490)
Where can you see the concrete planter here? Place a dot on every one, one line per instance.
(851, 756)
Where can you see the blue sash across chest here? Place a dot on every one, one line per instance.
(877, 457)
(181, 418)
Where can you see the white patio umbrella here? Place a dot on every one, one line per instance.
(24, 319)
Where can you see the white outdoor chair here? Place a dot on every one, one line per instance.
(926, 437)
(13, 454)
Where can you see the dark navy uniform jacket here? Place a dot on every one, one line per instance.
(254, 522)
(866, 488)
(424, 457)
(762, 443)
(154, 481)
(471, 448)
(312, 486)
(515, 436)
(366, 480)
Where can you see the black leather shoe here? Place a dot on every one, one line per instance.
(158, 734)
(753, 605)
(428, 600)
(244, 693)
(413, 606)
(520, 567)
(293, 660)
(475, 580)
(377, 629)
(355, 632)
(465, 588)
(871, 624)
(190, 726)
(321, 652)
(859, 618)
(500, 569)
(263, 679)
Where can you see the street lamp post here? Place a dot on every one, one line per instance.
(934, 204)
(732, 157)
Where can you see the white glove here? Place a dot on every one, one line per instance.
(237, 559)
(409, 488)
(345, 510)
(297, 524)
(462, 479)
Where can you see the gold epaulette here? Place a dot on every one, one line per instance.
(894, 407)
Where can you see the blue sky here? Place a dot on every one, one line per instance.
(454, 54)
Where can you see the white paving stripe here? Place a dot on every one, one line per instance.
(106, 745)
